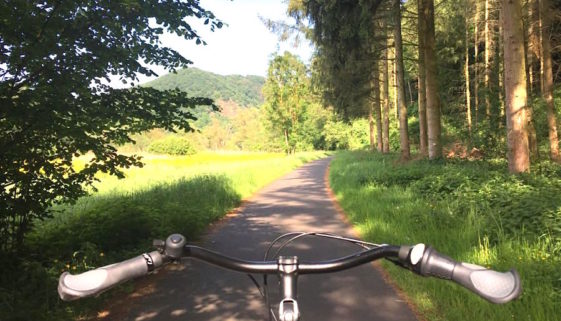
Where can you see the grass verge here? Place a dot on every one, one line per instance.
(472, 211)
(169, 194)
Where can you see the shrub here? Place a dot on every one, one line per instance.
(172, 145)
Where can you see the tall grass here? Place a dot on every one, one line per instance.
(465, 210)
(169, 194)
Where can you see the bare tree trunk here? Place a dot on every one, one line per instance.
(371, 127)
(487, 73)
(475, 63)
(532, 135)
(433, 101)
(384, 92)
(466, 73)
(400, 75)
(548, 80)
(540, 36)
(502, 121)
(423, 142)
(377, 108)
(531, 44)
(394, 86)
(515, 87)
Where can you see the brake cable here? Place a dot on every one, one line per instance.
(264, 291)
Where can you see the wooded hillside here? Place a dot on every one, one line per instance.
(243, 90)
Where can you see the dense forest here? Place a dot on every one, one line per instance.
(481, 77)
(245, 91)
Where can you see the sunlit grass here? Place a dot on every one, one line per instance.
(169, 194)
(240, 167)
(375, 192)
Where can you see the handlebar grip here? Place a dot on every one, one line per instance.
(90, 283)
(496, 287)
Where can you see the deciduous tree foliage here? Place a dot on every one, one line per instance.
(286, 94)
(54, 105)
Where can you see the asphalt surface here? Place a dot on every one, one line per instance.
(298, 201)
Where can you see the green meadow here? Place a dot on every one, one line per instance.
(169, 194)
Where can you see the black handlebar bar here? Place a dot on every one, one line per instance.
(494, 286)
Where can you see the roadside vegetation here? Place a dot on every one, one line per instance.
(421, 78)
(170, 194)
(472, 211)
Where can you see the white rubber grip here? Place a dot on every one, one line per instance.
(90, 283)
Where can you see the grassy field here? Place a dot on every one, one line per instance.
(169, 194)
(471, 211)
(120, 220)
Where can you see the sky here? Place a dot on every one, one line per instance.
(243, 46)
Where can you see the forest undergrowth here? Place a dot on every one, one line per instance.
(472, 211)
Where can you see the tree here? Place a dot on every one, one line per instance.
(285, 94)
(421, 34)
(385, 99)
(376, 108)
(515, 87)
(466, 72)
(54, 105)
(548, 80)
(400, 76)
(431, 83)
(476, 61)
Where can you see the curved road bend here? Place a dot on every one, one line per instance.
(296, 202)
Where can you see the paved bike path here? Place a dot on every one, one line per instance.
(296, 202)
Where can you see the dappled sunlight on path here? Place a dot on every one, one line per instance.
(296, 202)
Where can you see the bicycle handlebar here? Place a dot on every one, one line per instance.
(90, 283)
(493, 286)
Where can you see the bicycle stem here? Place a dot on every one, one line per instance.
(288, 275)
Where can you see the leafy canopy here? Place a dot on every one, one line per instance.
(54, 104)
(286, 90)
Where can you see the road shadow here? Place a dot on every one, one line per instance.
(194, 290)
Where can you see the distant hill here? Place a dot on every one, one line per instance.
(244, 91)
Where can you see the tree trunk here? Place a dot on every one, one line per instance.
(384, 92)
(466, 73)
(487, 73)
(515, 88)
(540, 36)
(423, 143)
(371, 127)
(377, 108)
(475, 63)
(532, 135)
(400, 75)
(433, 101)
(502, 121)
(394, 86)
(548, 80)
(532, 13)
